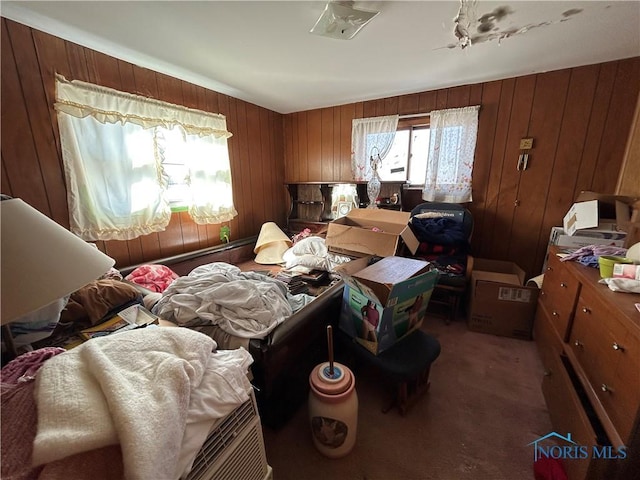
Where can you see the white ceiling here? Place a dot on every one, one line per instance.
(262, 51)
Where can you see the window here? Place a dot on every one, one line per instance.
(451, 153)
(407, 158)
(129, 161)
(435, 153)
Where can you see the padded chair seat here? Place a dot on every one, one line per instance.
(407, 358)
(407, 363)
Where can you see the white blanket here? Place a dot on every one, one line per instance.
(312, 253)
(133, 388)
(244, 304)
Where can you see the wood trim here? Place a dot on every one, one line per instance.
(629, 177)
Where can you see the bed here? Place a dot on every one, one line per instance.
(284, 355)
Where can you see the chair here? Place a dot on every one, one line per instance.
(444, 231)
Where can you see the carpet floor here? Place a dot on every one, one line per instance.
(482, 410)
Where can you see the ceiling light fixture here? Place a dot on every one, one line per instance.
(341, 20)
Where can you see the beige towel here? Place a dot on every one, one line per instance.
(131, 388)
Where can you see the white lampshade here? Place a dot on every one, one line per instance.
(41, 260)
(271, 244)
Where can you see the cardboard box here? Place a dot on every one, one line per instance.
(594, 210)
(500, 303)
(366, 231)
(384, 301)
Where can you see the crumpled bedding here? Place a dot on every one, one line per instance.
(125, 389)
(154, 277)
(243, 304)
(312, 253)
(89, 305)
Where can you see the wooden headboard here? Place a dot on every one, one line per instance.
(233, 252)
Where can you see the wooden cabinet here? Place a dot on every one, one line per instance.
(589, 342)
(312, 204)
(559, 294)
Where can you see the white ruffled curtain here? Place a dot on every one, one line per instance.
(116, 186)
(367, 133)
(451, 153)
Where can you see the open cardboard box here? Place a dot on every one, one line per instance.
(500, 303)
(596, 211)
(385, 301)
(366, 231)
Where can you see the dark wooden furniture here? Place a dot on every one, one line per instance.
(311, 202)
(589, 342)
(283, 359)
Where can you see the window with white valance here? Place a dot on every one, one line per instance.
(129, 160)
(451, 153)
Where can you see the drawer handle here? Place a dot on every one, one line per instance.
(563, 285)
(547, 373)
(578, 343)
(549, 269)
(586, 310)
(617, 346)
(554, 313)
(605, 388)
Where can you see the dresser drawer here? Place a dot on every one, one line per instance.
(546, 338)
(567, 414)
(609, 355)
(559, 294)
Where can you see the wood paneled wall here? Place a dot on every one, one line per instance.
(579, 118)
(32, 163)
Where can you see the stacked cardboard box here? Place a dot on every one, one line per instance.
(386, 300)
(500, 303)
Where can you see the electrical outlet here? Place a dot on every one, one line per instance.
(225, 234)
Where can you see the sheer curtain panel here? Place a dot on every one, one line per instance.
(367, 133)
(451, 153)
(116, 183)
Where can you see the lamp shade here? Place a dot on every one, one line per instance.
(41, 260)
(272, 253)
(271, 244)
(270, 232)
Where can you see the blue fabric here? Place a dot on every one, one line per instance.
(438, 231)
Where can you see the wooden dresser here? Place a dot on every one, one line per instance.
(589, 341)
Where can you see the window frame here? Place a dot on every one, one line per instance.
(411, 124)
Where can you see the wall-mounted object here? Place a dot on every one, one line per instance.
(526, 144)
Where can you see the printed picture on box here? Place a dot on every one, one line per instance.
(414, 311)
(370, 320)
(408, 314)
